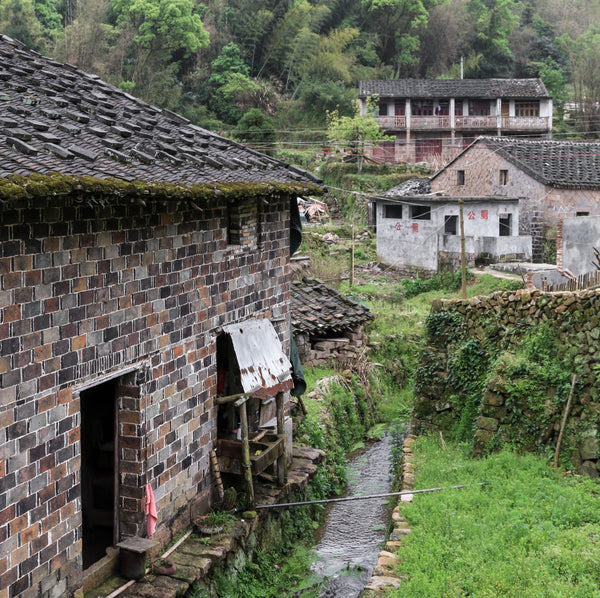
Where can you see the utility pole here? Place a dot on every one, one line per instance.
(463, 257)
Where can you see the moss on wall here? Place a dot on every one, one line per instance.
(497, 370)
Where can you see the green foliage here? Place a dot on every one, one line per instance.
(529, 532)
(255, 127)
(268, 575)
(442, 281)
(467, 370)
(444, 327)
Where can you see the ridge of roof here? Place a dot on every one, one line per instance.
(563, 164)
(56, 118)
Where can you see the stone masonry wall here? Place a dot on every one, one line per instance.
(540, 206)
(499, 322)
(135, 294)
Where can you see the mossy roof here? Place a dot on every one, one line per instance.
(62, 129)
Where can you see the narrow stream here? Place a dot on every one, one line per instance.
(354, 532)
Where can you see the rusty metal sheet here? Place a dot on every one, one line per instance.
(264, 368)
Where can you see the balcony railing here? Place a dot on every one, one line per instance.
(507, 123)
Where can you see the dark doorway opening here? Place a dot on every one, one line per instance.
(505, 225)
(98, 470)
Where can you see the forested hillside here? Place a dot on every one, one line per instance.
(270, 70)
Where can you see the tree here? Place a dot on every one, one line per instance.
(255, 127)
(355, 131)
(164, 32)
(584, 62)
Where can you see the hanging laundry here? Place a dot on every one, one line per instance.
(151, 517)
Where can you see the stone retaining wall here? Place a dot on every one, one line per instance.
(500, 322)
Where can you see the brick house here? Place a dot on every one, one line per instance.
(131, 243)
(556, 179)
(422, 231)
(434, 119)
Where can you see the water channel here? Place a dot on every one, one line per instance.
(352, 536)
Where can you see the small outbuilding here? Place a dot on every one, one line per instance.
(327, 325)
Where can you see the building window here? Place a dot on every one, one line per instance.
(458, 108)
(394, 212)
(420, 212)
(503, 177)
(479, 108)
(505, 228)
(451, 225)
(527, 108)
(460, 177)
(422, 108)
(383, 109)
(582, 214)
(241, 224)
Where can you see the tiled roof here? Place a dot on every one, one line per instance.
(319, 309)
(571, 164)
(56, 118)
(454, 88)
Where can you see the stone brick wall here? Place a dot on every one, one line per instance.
(133, 294)
(498, 322)
(346, 345)
(541, 206)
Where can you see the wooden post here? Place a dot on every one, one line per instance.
(564, 420)
(282, 460)
(246, 465)
(463, 256)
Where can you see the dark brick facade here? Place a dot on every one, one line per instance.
(130, 297)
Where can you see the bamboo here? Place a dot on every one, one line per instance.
(367, 496)
(246, 465)
(217, 471)
(564, 420)
(282, 459)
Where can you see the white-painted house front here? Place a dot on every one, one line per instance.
(424, 231)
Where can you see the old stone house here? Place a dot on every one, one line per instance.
(422, 231)
(555, 179)
(434, 119)
(136, 249)
(328, 326)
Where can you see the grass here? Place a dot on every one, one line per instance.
(531, 532)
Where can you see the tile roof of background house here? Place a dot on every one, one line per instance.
(454, 88)
(318, 309)
(57, 118)
(570, 164)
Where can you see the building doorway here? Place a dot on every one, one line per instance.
(99, 469)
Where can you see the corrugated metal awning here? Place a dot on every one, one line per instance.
(262, 362)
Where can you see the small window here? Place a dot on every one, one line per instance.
(527, 108)
(479, 108)
(394, 212)
(382, 109)
(460, 177)
(450, 225)
(582, 214)
(505, 228)
(420, 212)
(503, 177)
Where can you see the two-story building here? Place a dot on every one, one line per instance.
(434, 119)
